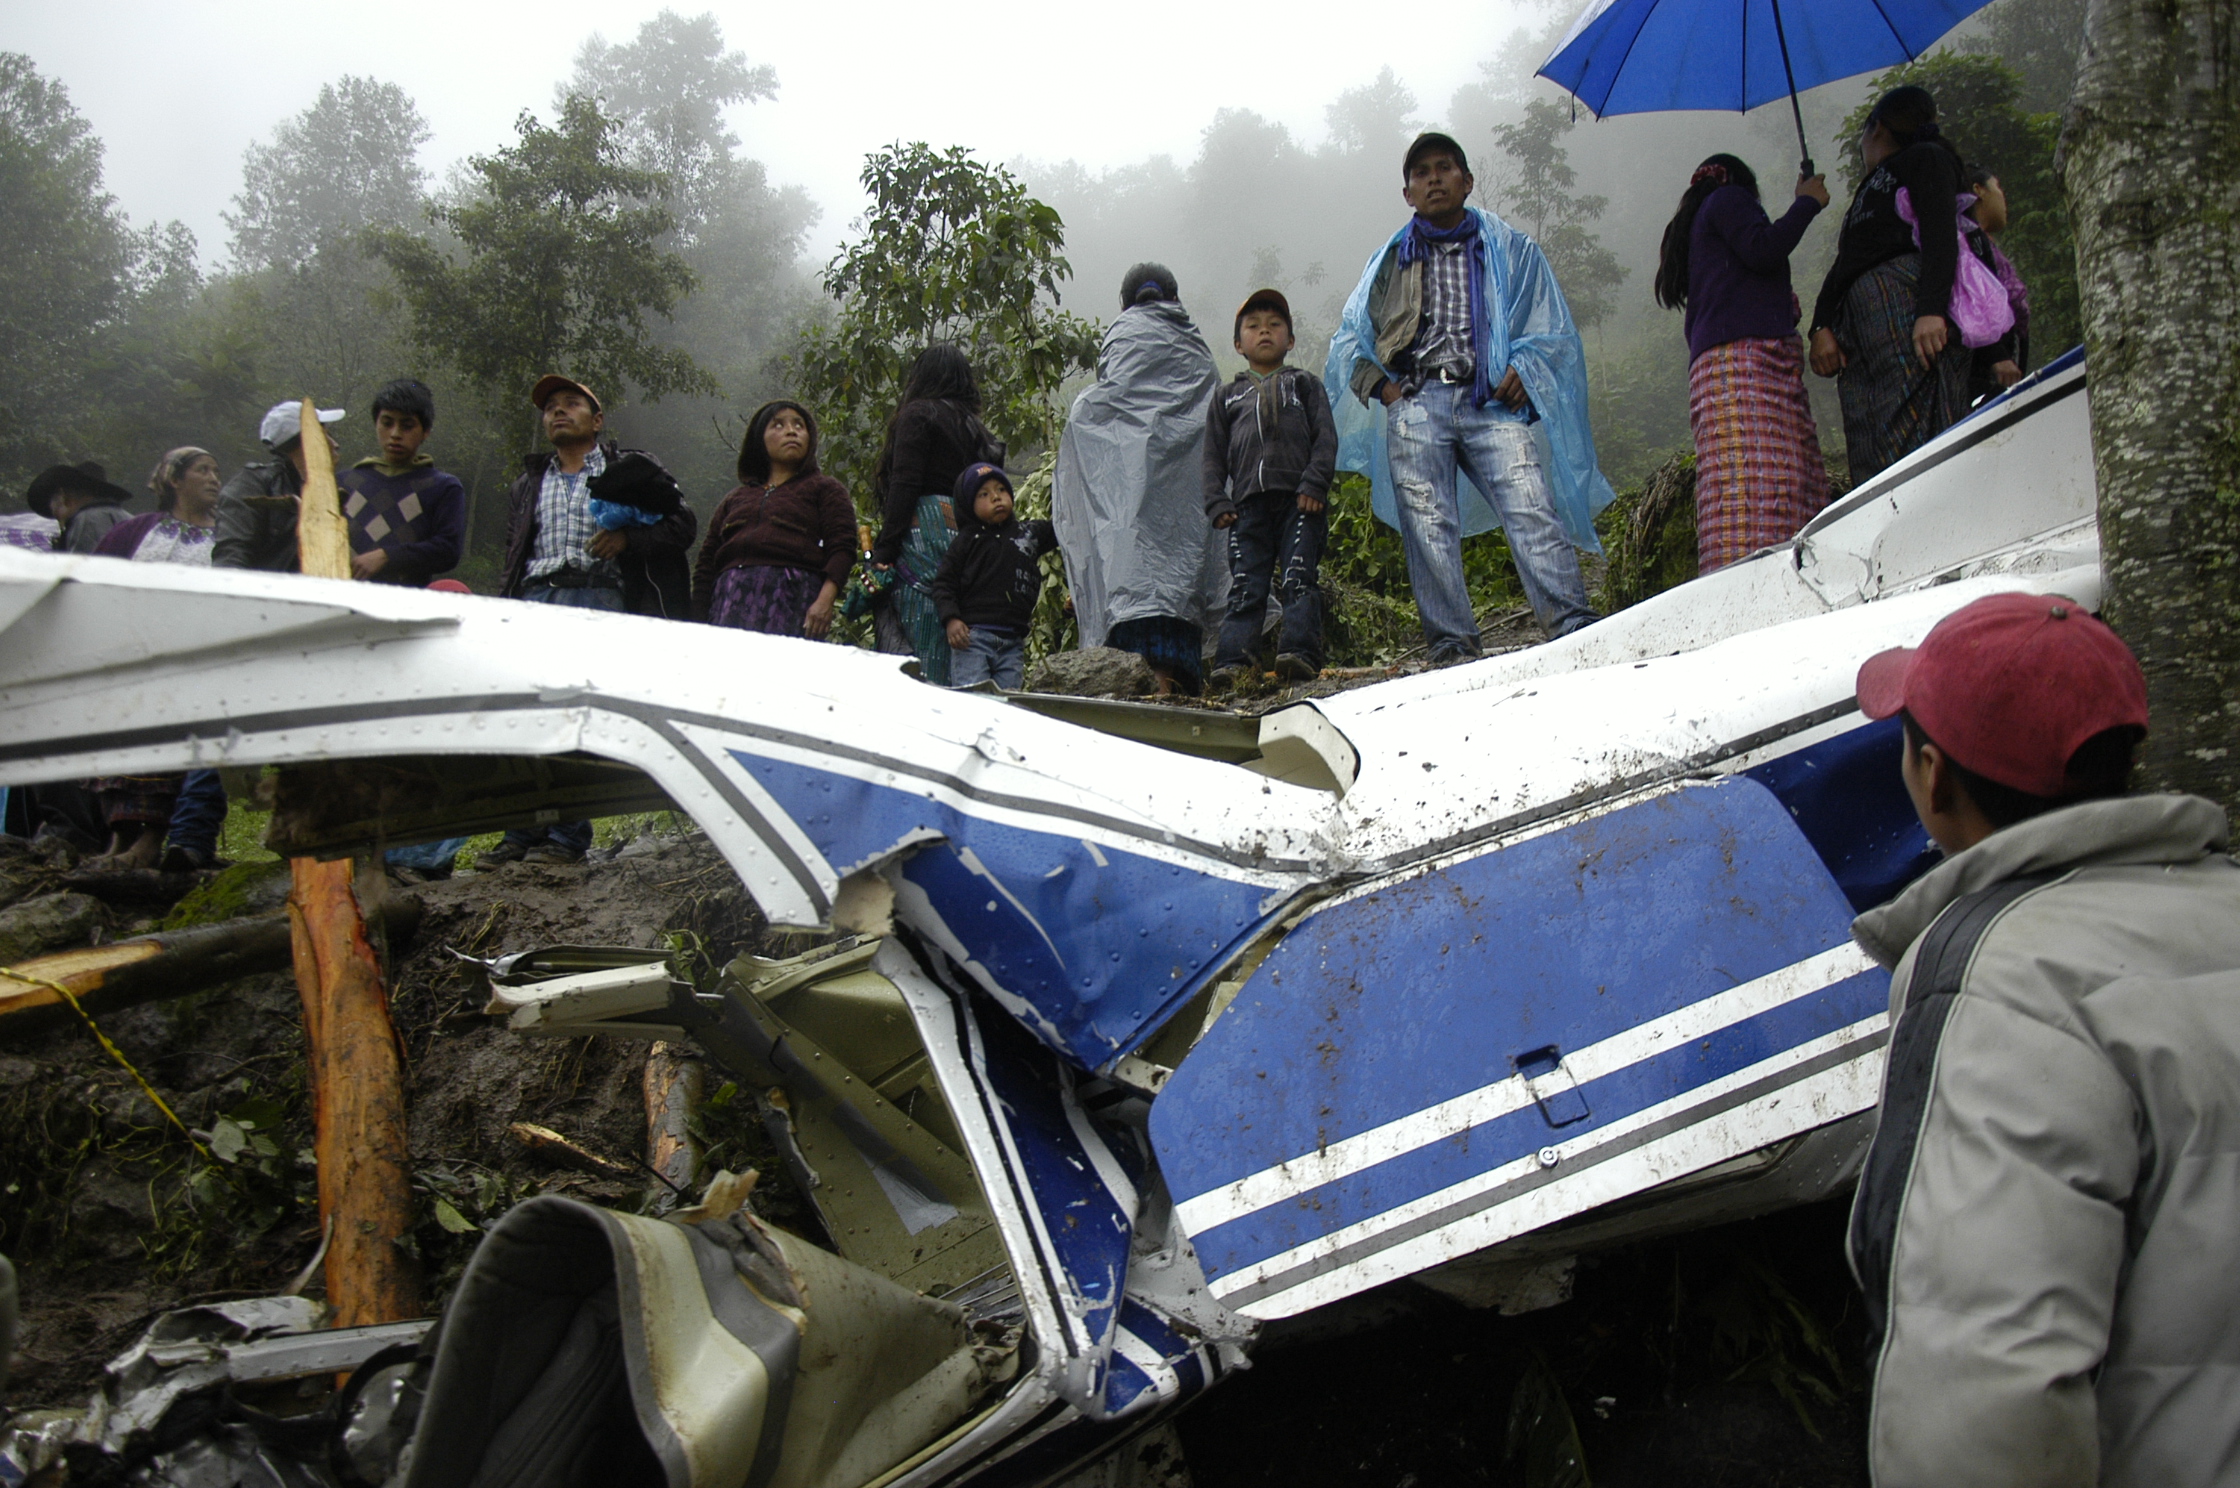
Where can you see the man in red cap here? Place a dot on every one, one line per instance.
(2045, 1224)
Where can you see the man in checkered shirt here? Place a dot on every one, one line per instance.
(556, 554)
(1428, 319)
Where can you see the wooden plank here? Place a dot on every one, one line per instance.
(322, 540)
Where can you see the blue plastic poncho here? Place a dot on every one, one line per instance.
(1530, 329)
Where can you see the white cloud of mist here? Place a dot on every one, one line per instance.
(177, 92)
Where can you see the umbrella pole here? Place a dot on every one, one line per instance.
(1795, 111)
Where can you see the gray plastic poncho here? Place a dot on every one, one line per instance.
(1129, 500)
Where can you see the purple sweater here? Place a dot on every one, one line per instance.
(1738, 270)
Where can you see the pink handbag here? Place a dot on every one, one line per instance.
(1980, 310)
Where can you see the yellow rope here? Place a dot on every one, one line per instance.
(113, 1051)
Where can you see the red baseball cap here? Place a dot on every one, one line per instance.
(2010, 686)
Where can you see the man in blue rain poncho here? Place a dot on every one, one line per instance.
(1459, 336)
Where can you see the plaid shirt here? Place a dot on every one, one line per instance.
(564, 525)
(1443, 339)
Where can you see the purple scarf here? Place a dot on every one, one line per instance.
(1416, 245)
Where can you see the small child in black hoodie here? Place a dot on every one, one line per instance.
(989, 581)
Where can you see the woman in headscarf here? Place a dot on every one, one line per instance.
(779, 546)
(180, 529)
(1759, 475)
(1146, 568)
(935, 433)
(1882, 325)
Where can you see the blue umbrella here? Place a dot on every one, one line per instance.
(1651, 56)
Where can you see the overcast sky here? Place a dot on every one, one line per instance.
(177, 91)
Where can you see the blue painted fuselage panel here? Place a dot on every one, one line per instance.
(1385, 1005)
(1101, 942)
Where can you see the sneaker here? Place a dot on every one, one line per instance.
(506, 851)
(1227, 678)
(1292, 667)
(1456, 657)
(177, 859)
(548, 852)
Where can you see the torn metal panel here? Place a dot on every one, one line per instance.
(1414, 1070)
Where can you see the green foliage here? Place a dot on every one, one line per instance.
(951, 250)
(69, 255)
(346, 164)
(259, 1176)
(1649, 533)
(1537, 197)
(558, 263)
(1543, 1439)
(1979, 111)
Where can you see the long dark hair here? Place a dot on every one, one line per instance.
(1910, 114)
(754, 450)
(943, 373)
(1671, 288)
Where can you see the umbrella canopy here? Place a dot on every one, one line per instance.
(1650, 56)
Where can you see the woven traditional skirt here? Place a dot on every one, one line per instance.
(906, 625)
(764, 597)
(1892, 405)
(1163, 641)
(1759, 475)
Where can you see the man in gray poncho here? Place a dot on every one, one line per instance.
(1147, 570)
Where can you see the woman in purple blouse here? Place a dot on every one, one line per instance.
(1759, 474)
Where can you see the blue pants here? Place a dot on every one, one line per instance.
(1428, 436)
(1274, 545)
(998, 656)
(576, 835)
(427, 857)
(199, 813)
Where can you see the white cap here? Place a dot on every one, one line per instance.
(283, 422)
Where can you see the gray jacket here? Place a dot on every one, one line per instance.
(2046, 1226)
(256, 525)
(1243, 457)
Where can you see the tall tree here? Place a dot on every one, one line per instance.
(951, 250)
(347, 163)
(68, 254)
(1535, 192)
(2150, 158)
(557, 265)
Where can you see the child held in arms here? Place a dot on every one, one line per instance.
(988, 583)
(407, 519)
(1271, 448)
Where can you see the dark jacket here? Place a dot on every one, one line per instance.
(417, 515)
(257, 519)
(991, 575)
(90, 525)
(934, 440)
(807, 523)
(1738, 270)
(655, 578)
(1243, 457)
(1874, 233)
(2043, 1228)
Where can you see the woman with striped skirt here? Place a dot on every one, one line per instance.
(1759, 475)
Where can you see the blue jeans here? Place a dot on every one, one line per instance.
(199, 813)
(575, 835)
(427, 857)
(1428, 436)
(990, 656)
(1274, 545)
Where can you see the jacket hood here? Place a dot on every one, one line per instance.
(2092, 834)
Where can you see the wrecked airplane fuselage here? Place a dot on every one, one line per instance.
(1161, 1023)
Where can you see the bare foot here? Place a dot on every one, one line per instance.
(1163, 681)
(145, 849)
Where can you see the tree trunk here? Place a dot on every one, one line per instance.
(357, 1094)
(357, 1069)
(2150, 164)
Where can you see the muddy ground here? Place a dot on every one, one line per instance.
(1730, 1357)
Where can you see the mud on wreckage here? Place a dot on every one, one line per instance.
(1128, 1035)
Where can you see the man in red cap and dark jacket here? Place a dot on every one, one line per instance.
(2045, 1224)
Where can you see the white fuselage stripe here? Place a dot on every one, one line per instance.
(1452, 1117)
